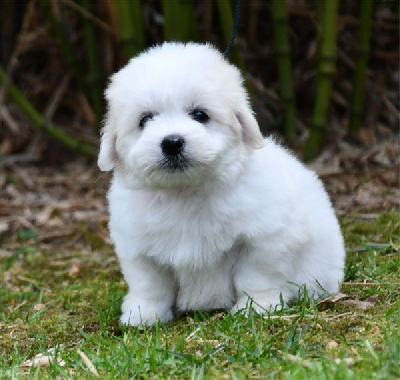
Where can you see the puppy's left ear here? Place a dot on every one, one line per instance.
(250, 130)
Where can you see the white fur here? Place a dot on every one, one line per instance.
(238, 222)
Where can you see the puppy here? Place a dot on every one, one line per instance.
(204, 212)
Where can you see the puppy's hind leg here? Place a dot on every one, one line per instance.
(151, 292)
(260, 283)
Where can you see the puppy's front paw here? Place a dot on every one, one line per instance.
(138, 313)
(132, 318)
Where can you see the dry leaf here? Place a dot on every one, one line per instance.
(296, 359)
(88, 362)
(336, 297)
(372, 299)
(348, 361)
(39, 306)
(74, 269)
(376, 330)
(41, 360)
(4, 227)
(339, 298)
(367, 136)
(327, 302)
(56, 222)
(363, 305)
(332, 345)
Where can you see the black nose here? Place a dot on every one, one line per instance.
(172, 145)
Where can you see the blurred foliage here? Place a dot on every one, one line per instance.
(318, 72)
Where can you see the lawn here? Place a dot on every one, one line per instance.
(67, 307)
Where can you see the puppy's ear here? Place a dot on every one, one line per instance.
(250, 130)
(108, 154)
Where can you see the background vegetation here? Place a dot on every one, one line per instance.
(318, 72)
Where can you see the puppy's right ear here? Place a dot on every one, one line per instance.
(108, 153)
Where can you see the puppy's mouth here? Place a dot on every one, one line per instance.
(179, 163)
(176, 166)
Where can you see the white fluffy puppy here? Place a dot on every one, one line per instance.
(204, 212)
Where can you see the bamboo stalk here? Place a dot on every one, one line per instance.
(178, 20)
(326, 71)
(226, 19)
(38, 120)
(363, 41)
(131, 33)
(93, 69)
(252, 22)
(282, 50)
(207, 19)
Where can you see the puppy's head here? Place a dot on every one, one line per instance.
(178, 115)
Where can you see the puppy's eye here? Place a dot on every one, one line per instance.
(200, 116)
(144, 119)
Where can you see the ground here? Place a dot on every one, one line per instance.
(61, 289)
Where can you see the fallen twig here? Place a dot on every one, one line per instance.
(310, 316)
(25, 157)
(40, 122)
(368, 283)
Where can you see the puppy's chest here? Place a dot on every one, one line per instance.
(182, 234)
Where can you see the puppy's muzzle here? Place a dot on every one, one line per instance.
(172, 147)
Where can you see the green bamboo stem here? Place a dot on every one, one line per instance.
(38, 120)
(226, 18)
(326, 71)
(207, 19)
(178, 20)
(282, 49)
(130, 24)
(93, 72)
(363, 42)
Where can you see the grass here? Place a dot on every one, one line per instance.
(71, 304)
